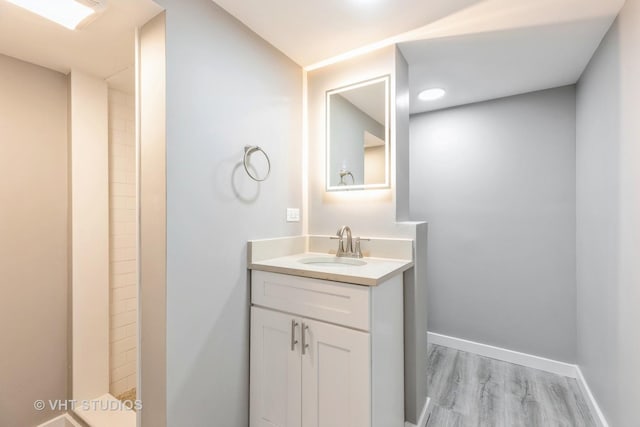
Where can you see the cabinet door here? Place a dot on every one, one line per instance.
(275, 381)
(336, 381)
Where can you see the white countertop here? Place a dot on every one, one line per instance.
(374, 272)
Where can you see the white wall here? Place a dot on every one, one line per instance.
(226, 88)
(374, 212)
(374, 161)
(151, 75)
(608, 220)
(123, 277)
(370, 212)
(496, 182)
(89, 179)
(33, 240)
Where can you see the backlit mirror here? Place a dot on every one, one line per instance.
(358, 136)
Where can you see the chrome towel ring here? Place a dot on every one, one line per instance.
(343, 174)
(248, 150)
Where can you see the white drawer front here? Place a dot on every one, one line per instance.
(333, 302)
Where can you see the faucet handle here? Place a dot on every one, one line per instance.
(340, 251)
(357, 250)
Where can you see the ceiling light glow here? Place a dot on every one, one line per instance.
(68, 13)
(432, 94)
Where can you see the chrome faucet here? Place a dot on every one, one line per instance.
(346, 248)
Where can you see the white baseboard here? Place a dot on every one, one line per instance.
(424, 416)
(591, 400)
(528, 360)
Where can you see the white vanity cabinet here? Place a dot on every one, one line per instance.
(325, 354)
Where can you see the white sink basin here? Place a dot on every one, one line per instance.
(332, 261)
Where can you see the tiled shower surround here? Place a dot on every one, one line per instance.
(122, 244)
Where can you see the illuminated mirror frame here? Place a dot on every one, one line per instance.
(387, 149)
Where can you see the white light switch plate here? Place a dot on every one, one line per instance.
(293, 215)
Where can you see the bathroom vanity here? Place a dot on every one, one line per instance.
(327, 341)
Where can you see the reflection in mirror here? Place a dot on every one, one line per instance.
(358, 136)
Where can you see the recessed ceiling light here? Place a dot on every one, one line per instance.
(68, 13)
(431, 94)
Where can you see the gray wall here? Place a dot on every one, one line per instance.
(348, 124)
(402, 147)
(33, 240)
(415, 289)
(608, 220)
(226, 88)
(496, 182)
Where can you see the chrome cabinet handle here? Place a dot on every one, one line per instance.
(294, 341)
(305, 345)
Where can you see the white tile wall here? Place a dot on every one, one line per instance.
(122, 242)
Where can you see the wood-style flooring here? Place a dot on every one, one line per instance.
(470, 390)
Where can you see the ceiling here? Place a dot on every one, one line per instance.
(369, 99)
(330, 28)
(310, 31)
(479, 67)
(103, 48)
(370, 140)
(500, 48)
(476, 49)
